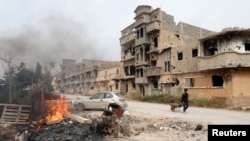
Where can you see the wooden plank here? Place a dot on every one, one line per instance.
(14, 105)
(12, 122)
(78, 118)
(53, 122)
(3, 111)
(16, 110)
(15, 114)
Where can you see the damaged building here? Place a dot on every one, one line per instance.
(87, 77)
(159, 56)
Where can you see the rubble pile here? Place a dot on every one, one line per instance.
(66, 130)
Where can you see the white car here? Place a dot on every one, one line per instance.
(101, 100)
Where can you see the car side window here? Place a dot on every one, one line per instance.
(98, 96)
(108, 95)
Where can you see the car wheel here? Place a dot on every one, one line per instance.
(80, 106)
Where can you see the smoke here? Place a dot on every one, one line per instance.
(51, 39)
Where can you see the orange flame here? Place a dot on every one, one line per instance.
(57, 110)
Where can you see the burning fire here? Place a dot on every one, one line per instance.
(56, 110)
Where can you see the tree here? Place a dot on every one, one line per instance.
(38, 73)
(8, 60)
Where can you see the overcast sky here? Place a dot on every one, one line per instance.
(38, 30)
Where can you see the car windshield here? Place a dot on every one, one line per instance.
(119, 95)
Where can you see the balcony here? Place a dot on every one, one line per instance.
(127, 76)
(128, 57)
(153, 71)
(153, 26)
(115, 76)
(153, 50)
(142, 63)
(140, 41)
(141, 80)
(126, 39)
(142, 21)
(223, 60)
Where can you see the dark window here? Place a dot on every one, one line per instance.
(155, 84)
(217, 80)
(180, 57)
(116, 86)
(156, 42)
(133, 84)
(194, 52)
(141, 31)
(247, 46)
(138, 34)
(153, 63)
(167, 66)
(141, 70)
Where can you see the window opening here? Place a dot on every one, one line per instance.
(194, 52)
(247, 46)
(141, 31)
(217, 80)
(180, 56)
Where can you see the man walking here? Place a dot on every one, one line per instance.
(184, 100)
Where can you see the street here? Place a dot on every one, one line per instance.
(209, 115)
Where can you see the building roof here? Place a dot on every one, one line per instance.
(227, 31)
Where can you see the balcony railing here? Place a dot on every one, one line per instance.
(141, 21)
(141, 80)
(115, 76)
(153, 71)
(141, 63)
(153, 26)
(126, 39)
(223, 60)
(140, 41)
(127, 76)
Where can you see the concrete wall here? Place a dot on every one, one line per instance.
(241, 85)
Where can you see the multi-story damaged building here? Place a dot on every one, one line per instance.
(159, 56)
(86, 77)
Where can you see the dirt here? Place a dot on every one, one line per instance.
(146, 128)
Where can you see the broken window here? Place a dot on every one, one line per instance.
(180, 56)
(126, 70)
(141, 32)
(155, 84)
(210, 48)
(116, 86)
(153, 63)
(133, 86)
(194, 52)
(137, 73)
(141, 70)
(189, 82)
(217, 80)
(155, 42)
(132, 70)
(167, 66)
(247, 46)
(132, 51)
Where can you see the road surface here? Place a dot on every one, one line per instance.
(208, 115)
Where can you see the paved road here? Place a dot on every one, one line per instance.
(212, 116)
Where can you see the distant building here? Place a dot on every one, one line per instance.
(83, 77)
